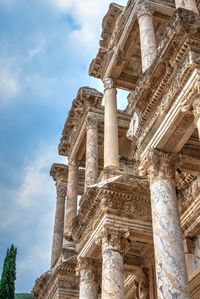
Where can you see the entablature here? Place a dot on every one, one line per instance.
(119, 54)
(162, 90)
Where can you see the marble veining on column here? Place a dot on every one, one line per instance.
(88, 269)
(91, 169)
(59, 223)
(72, 193)
(114, 245)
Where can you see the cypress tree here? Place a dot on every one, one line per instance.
(7, 284)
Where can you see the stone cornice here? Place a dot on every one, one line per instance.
(86, 99)
(114, 198)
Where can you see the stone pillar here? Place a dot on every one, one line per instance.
(59, 172)
(172, 280)
(196, 112)
(71, 204)
(187, 4)
(114, 245)
(147, 35)
(91, 168)
(88, 270)
(111, 143)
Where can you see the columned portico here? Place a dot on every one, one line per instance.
(59, 175)
(147, 34)
(71, 203)
(114, 245)
(187, 4)
(172, 281)
(88, 269)
(91, 168)
(111, 143)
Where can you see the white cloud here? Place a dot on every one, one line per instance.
(38, 48)
(9, 83)
(88, 14)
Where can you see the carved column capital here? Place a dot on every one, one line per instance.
(109, 83)
(91, 122)
(115, 239)
(144, 8)
(89, 270)
(158, 165)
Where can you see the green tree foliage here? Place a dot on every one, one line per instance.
(7, 283)
(23, 296)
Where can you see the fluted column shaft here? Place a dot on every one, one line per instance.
(114, 245)
(91, 168)
(187, 4)
(88, 278)
(172, 281)
(111, 143)
(71, 203)
(59, 222)
(147, 35)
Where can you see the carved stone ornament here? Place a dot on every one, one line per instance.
(142, 283)
(109, 83)
(144, 8)
(158, 165)
(91, 122)
(133, 127)
(61, 190)
(88, 268)
(114, 239)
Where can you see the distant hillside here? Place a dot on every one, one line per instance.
(23, 296)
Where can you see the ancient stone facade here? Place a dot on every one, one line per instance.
(135, 231)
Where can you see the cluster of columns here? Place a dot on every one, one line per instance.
(114, 244)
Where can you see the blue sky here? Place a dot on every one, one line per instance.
(45, 50)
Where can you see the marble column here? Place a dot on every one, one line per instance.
(91, 167)
(172, 280)
(114, 245)
(88, 270)
(71, 203)
(111, 143)
(187, 4)
(58, 172)
(196, 112)
(147, 35)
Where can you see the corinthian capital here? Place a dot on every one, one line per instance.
(144, 8)
(109, 83)
(158, 165)
(91, 122)
(115, 239)
(88, 269)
